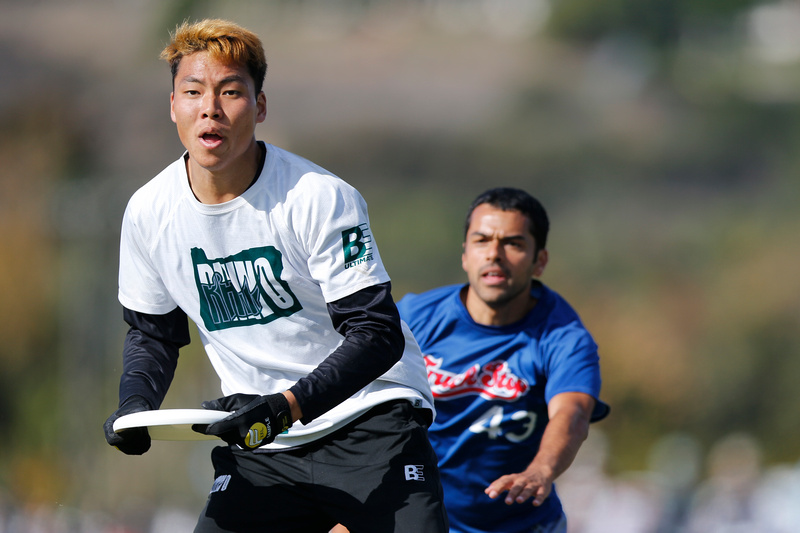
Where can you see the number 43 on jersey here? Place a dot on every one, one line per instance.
(491, 423)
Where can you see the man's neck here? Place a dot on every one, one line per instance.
(216, 187)
(497, 315)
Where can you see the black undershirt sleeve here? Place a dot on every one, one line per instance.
(150, 354)
(373, 343)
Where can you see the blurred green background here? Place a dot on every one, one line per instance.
(660, 134)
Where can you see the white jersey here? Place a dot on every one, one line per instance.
(255, 275)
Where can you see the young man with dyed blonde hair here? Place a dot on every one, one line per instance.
(273, 258)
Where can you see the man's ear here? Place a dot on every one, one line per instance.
(171, 108)
(261, 104)
(540, 263)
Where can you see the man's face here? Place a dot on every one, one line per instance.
(499, 257)
(216, 110)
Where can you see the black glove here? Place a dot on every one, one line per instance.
(133, 441)
(255, 421)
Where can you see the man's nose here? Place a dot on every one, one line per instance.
(211, 107)
(493, 250)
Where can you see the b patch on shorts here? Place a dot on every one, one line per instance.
(414, 473)
(221, 483)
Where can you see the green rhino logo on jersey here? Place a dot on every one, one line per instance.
(242, 289)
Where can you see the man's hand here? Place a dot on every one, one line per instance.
(532, 483)
(134, 441)
(569, 414)
(255, 421)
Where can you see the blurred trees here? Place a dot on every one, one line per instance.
(660, 22)
(34, 150)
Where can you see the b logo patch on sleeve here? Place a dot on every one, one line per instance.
(357, 245)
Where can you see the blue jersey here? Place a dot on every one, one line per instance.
(491, 386)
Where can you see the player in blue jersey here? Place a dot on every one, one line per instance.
(514, 373)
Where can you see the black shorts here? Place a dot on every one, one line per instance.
(378, 474)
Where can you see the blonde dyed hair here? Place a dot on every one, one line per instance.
(223, 40)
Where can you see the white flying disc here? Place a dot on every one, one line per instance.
(171, 424)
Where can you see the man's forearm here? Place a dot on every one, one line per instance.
(150, 354)
(358, 361)
(373, 342)
(566, 430)
(148, 367)
(560, 443)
